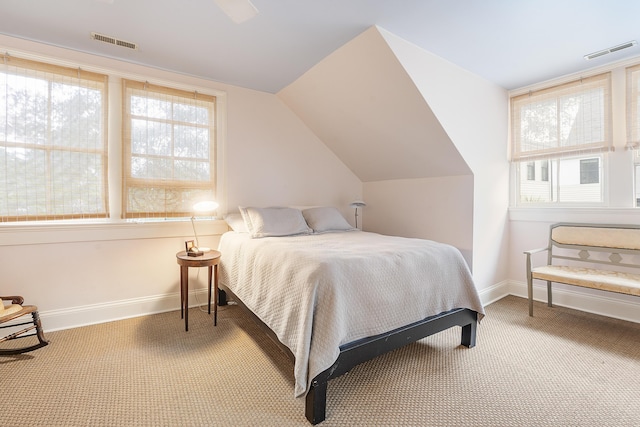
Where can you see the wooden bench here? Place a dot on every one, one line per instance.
(598, 256)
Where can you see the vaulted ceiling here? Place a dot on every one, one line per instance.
(511, 43)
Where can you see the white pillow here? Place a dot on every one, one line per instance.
(275, 221)
(325, 219)
(236, 222)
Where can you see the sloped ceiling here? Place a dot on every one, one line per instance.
(512, 43)
(364, 106)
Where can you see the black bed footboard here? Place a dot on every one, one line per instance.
(360, 351)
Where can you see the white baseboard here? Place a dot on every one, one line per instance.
(53, 320)
(494, 293)
(601, 303)
(74, 317)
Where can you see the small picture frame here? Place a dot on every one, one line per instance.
(191, 248)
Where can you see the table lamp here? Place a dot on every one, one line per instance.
(201, 208)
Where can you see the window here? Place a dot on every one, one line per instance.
(589, 171)
(169, 150)
(544, 170)
(531, 171)
(636, 170)
(562, 130)
(633, 104)
(53, 142)
(633, 124)
(568, 180)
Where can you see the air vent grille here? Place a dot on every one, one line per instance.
(610, 50)
(114, 41)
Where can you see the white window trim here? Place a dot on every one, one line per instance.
(552, 214)
(72, 232)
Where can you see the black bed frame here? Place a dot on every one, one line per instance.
(356, 352)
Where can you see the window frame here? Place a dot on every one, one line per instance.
(522, 149)
(54, 74)
(194, 189)
(603, 176)
(520, 157)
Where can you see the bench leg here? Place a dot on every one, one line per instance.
(530, 293)
(529, 285)
(549, 301)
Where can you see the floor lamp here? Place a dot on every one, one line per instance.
(357, 204)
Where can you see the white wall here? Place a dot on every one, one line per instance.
(439, 209)
(473, 112)
(427, 138)
(274, 159)
(91, 273)
(365, 106)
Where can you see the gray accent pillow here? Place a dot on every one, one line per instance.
(274, 221)
(325, 219)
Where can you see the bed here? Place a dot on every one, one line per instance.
(335, 296)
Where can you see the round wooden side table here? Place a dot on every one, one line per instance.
(209, 259)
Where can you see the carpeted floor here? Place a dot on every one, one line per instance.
(559, 368)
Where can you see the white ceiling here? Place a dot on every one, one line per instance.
(513, 43)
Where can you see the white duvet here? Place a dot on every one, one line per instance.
(317, 292)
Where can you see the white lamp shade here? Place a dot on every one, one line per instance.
(205, 206)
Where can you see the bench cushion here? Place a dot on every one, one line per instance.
(614, 281)
(607, 237)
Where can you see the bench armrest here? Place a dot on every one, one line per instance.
(14, 299)
(535, 251)
(528, 262)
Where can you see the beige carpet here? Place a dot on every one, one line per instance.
(560, 368)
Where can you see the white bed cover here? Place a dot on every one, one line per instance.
(317, 292)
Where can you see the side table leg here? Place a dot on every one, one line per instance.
(209, 299)
(181, 293)
(184, 288)
(215, 302)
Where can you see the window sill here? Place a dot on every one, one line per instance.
(68, 232)
(571, 214)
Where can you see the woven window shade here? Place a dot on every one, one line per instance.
(169, 148)
(53, 142)
(633, 101)
(566, 120)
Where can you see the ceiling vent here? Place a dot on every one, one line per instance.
(114, 41)
(610, 50)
